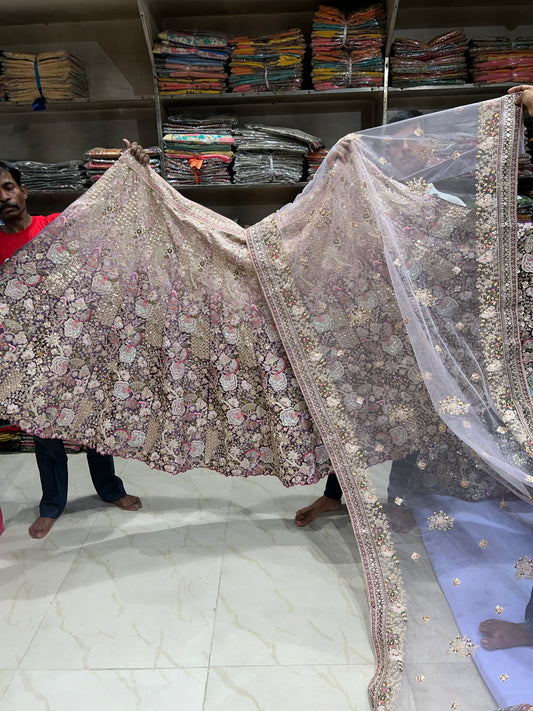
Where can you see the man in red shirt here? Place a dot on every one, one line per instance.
(18, 228)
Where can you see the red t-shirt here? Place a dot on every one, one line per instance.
(10, 243)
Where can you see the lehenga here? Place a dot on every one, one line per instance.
(369, 320)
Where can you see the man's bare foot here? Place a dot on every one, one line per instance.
(320, 506)
(500, 634)
(129, 503)
(41, 526)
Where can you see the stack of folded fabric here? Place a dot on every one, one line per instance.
(314, 161)
(52, 177)
(198, 151)
(3, 88)
(191, 62)
(27, 444)
(347, 50)
(98, 160)
(271, 154)
(440, 61)
(268, 63)
(55, 75)
(500, 60)
(9, 437)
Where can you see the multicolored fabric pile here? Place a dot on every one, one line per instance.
(191, 62)
(98, 160)
(52, 177)
(9, 437)
(314, 161)
(269, 63)
(3, 88)
(500, 59)
(347, 50)
(442, 60)
(271, 154)
(198, 150)
(56, 75)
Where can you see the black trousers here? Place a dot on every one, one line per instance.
(398, 479)
(53, 470)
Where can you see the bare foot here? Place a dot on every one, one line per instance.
(320, 506)
(500, 634)
(129, 503)
(41, 526)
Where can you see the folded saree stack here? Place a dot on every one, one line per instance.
(271, 154)
(55, 75)
(496, 60)
(191, 62)
(347, 50)
(9, 437)
(98, 160)
(442, 60)
(198, 150)
(3, 88)
(314, 161)
(52, 177)
(269, 63)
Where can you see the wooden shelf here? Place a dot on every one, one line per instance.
(30, 12)
(81, 105)
(363, 94)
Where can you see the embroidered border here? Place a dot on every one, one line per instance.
(384, 584)
(496, 188)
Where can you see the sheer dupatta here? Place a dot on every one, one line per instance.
(398, 283)
(382, 316)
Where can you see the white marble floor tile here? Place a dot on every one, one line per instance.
(313, 688)
(262, 513)
(210, 589)
(114, 690)
(185, 510)
(6, 676)
(29, 583)
(275, 607)
(13, 467)
(126, 608)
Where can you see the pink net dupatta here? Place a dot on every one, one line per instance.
(393, 283)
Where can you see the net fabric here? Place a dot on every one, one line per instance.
(381, 316)
(393, 281)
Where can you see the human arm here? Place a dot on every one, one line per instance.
(138, 152)
(525, 97)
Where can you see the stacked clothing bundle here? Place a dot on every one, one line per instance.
(98, 160)
(52, 177)
(500, 59)
(27, 444)
(191, 62)
(9, 437)
(314, 161)
(347, 51)
(3, 88)
(440, 61)
(271, 154)
(198, 151)
(56, 75)
(268, 63)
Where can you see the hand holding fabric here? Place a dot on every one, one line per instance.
(137, 152)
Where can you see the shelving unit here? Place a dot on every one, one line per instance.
(107, 37)
(114, 42)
